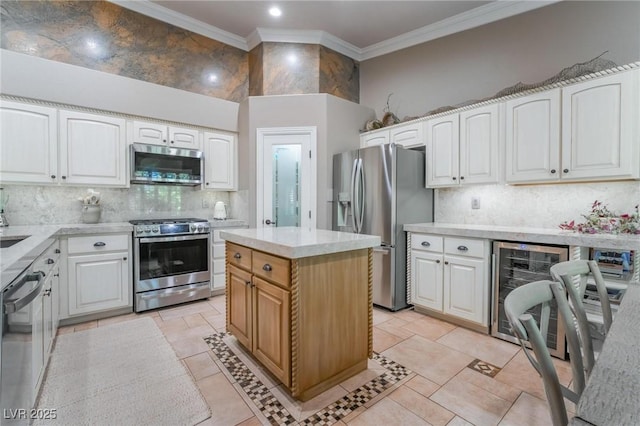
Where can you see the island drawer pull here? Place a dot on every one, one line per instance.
(463, 248)
(237, 255)
(426, 244)
(99, 244)
(267, 267)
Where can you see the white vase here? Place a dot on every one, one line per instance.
(91, 213)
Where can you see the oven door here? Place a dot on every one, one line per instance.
(165, 262)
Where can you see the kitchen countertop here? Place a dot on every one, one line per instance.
(226, 223)
(531, 235)
(294, 243)
(14, 259)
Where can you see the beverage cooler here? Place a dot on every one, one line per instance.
(515, 265)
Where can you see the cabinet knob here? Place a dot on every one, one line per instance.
(53, 176)
(446, 263)
(247, 283)
(237, 255)
(99, 244)
(50, 261)
(64, 177)
(267, 267)
(56, 275)
(565, 171)
(172, 142)
(164, 141)
(206, 183)
(57, 251)
(47, 292)
(463, 248)
(461, 177)
(438, 261)
(425, 244)
(454, 178)
(124, 258)
(553, 171)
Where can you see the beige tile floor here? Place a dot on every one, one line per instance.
(442, 390)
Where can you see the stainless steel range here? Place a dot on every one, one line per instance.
(171, 262)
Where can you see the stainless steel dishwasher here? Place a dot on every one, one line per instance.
(18, 353)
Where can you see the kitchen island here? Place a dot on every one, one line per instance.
(300, 300)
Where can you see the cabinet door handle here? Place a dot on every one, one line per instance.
(463, 248)
(64, 177)
(446, 262)
(237, 255)
(124, 258)
(50, 261)
(267, 267)
(461, 177)
(47, 292)
(454, 178)
(99, 244)
(53, 176)
(438, 261)
(425, 244)
(553, 171)
(57, 251)
(565, 171)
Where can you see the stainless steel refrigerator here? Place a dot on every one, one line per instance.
(376, 190)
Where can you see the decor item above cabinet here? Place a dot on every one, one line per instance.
(585, 131)
(462, 148)
(160, 134)
(220, 154)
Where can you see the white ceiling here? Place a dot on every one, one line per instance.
(359, 29)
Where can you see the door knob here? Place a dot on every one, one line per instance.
(269, 222)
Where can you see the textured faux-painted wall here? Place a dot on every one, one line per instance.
(106, 37)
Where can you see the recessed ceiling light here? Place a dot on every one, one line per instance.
(275, 11)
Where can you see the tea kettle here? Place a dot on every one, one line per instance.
(219, 211)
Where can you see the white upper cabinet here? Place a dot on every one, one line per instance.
(533, 138)
(600, 120)
(92, 149)
(160, 134)
(407, 135)
(29, 149)
(443, 140)
(463, 147)
(586, 131)
(379, 137)
(220, 159)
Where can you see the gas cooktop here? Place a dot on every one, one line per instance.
(166, 221)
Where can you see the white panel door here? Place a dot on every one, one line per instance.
(92, 149)
(426, 279)
(479, 145)
(151, 133)
(29, 148)
(371, 139)
(464, 288)
(408, 135)
(98, 282)
(184, 138)
(220, 158)
(443, 138)
(600, 128)
(533, 138)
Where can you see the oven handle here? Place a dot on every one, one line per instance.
(174, 238)
(14, 305)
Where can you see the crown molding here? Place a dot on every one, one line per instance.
(163, 14)
(261, 35)
(474, 18)
(464, 21)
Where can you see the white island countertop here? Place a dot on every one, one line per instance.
(530, 235)
(294, 243)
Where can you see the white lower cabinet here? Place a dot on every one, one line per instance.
(218, 268)
(450, 276)
(98, 274)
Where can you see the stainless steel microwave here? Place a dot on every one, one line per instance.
(157, 164)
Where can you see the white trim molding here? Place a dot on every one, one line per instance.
(473, 18)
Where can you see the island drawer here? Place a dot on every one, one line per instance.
(272, 268)
(239, 256)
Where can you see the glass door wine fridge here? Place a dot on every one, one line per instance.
(515, 265)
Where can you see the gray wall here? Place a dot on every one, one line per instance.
(337, 122)
(479, 62)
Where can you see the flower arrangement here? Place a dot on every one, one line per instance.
(602, 220)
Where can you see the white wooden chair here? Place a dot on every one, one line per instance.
(518, 306)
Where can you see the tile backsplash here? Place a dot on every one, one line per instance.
(538, 206)
(31, 205)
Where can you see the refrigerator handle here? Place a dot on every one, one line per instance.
(352, 189)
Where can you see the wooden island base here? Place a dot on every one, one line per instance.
(307, 320)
